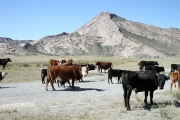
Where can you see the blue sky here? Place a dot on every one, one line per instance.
(34, 19)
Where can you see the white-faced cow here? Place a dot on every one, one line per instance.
(140, 81)
(3, 62)
(143, 63)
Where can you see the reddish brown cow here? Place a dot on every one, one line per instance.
(103, 65)
(175, 77)
(53, 62)
(65, 73)
(82, 64)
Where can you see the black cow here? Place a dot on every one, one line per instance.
(143, 63)
(174, 67)
(155, 68)
(3, 62)
(140, 81)
(43, 75)
(62, 83)
(2, 76)
(114, 73)
(91, 67)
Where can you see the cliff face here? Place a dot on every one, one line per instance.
(109, 34)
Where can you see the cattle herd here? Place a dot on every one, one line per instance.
(147, 79)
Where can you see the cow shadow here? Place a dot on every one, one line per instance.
(86, 81)
(161, 105)
(80, 89)
(6, 87)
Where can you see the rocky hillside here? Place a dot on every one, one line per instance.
(106, 34)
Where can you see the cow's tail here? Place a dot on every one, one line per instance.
(138, 63)
(179, 74)
(123, 77)
(48, 75)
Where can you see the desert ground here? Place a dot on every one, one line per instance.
(23, 96)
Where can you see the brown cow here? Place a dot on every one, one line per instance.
(175, 77)
(103, 65)
(53, 62)
(81, 64)
(65, 73)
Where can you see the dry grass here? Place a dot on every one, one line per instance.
(27, 68)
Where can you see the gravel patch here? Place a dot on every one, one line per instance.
(92, 99)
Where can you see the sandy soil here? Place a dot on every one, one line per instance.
(92, 99)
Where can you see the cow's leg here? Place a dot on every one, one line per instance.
(73, 84)
(125, 96)
(47, 81)
(128, 97)
(119, 79)
(4, 66)
(151, 97)
(110, 78)
(52, 85)
(69, 83)
(146, 95)
(58, 82)
(43, 81)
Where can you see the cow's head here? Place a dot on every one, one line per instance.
(84, 71)
(3, 74)
(156, 63)
(79, 72)
(97, 63)
(70, 61)
(8, 60)
(161, 80)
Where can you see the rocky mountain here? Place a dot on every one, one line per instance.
(106, 34)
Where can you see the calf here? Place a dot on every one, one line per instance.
(3, 62)
(140, 81)
(43, 75)
(175, 77)
(62, 83)
(114, 73)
